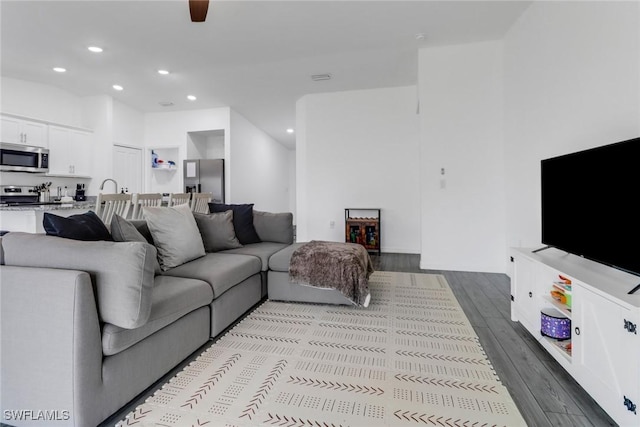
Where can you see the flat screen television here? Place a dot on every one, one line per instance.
(590, 204)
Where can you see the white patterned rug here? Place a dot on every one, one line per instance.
(410, 358)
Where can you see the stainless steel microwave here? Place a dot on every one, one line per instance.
(23, 158)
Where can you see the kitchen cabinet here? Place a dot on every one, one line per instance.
(523, 290)
(25, 132)
(603, 349)
(69, 152)
(29, 220)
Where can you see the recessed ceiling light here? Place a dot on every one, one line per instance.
(95, 49)
(163, 72)
(191, 97)
(318, 77)
(420, 37)
(289, 130)
(59, 69)
(117, 87)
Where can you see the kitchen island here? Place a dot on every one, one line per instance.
(28, 218)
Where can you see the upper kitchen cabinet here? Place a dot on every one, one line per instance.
(21, 131)
(69, 152)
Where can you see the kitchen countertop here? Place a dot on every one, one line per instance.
(88, 204)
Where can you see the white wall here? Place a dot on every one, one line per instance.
(98, 111)
(463, 211)
(40, 101)
(167, 132)
(205, 145)
(292, 184)
(572, 81)
(128, 125)
(359, 149)
(259, 167)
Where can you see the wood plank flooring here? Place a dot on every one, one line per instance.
(543, 391)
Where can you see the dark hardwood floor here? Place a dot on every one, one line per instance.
(544, 392)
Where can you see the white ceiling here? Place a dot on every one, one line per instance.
(254, 56)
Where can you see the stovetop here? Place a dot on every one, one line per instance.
(7, 204)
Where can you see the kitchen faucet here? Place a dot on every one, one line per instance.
(109, 179)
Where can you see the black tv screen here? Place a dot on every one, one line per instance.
(590, 204)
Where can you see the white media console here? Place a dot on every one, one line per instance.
(604, 351)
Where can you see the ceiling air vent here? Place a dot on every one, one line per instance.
(319, 77)
(166, 103)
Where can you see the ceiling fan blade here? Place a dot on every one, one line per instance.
(198, 9)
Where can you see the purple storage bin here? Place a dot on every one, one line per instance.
(554, 324)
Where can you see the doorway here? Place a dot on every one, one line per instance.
(127, 168)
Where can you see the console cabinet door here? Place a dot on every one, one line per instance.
(605, 354)
(525, 299)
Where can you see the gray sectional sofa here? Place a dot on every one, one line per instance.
(88, 325)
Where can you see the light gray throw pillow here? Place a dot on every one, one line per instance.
(175, 234)
(217, 231)
(274, 227)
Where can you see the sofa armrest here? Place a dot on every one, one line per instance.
(122, 272)
(274, 227)
(50, 343)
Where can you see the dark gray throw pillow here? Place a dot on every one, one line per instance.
(274, 227)
(217, 231)
(242, 221)
(87, 226)
(124, 231)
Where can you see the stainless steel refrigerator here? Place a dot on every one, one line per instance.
(205, 176)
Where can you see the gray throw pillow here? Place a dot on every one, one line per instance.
(274, 227)
(217, 231)
(175, 234)
(124, 231)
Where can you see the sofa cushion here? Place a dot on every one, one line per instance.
(175, 234)
(173, 297)
(263, 251)
(242, 221)
(280, 260)
(122, 272)
(87, 226)
(221, 271)
(217, 231)
(274, 227)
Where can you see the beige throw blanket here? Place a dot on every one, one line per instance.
(345, 267)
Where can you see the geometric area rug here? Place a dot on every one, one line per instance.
(410, 359)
